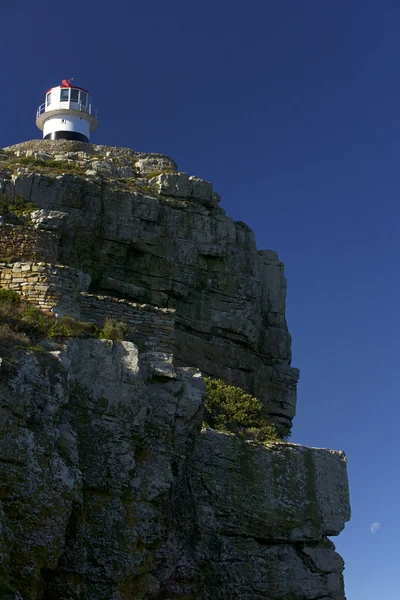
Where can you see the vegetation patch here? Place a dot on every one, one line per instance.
(229, 408)
(9, 259)
(7, 591)
(115, 330)
(132, 186)
(15, 204)
(156, 173)
(24, 325)
(46, 166)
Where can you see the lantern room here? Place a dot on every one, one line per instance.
(67, 114)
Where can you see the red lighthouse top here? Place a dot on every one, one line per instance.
(66, 83)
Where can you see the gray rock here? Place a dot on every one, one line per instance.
(110, 490)
(152, 163)
(172, 184)
(109, 487)
(181, 185)
(281, 492)
(126, 171)
(181, 252)
(44, 156)
(202, 191)
(49, 220)
(105, 168)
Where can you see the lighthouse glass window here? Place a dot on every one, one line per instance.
(83, 98)
(64, 95)
(48, 99)
(74, 95)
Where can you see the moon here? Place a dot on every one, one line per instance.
(375, 527)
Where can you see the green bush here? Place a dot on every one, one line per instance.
(9, 297)
(229, 408)
(10, 337)
(114, 330)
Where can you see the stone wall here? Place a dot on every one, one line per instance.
(153, 326)
(54, 288)
(60, 290)
(19, 242)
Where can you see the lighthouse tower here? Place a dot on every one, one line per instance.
(67, 114)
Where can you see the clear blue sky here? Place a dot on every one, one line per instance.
(292, 109)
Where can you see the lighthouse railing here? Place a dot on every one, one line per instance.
(40, 110)
(67, 105)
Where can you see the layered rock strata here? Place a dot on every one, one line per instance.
(145, 232)
(109, 486)
(110, 489)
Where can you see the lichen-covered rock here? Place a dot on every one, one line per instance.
(181, 185)
(42, 156)
(104, 167)
(277, 491)
(172, 184)
(166, 242)
(110, 489)
(50, 220)
(154, 163)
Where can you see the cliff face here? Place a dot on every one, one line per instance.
(109, 486)
(164, 241)
(110, 490)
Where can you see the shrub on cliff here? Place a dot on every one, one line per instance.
(11, 337)
(229, 408)
(9, 298)
(114, 330)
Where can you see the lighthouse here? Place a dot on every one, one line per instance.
(67, 114)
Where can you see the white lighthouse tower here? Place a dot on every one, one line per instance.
(67, 114)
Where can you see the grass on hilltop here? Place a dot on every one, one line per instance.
(45, 166)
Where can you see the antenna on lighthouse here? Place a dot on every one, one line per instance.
(67, 113)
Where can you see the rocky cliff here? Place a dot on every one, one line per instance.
(142, 231)
(109, 487)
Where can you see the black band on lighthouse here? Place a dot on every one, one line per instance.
(66, 135)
